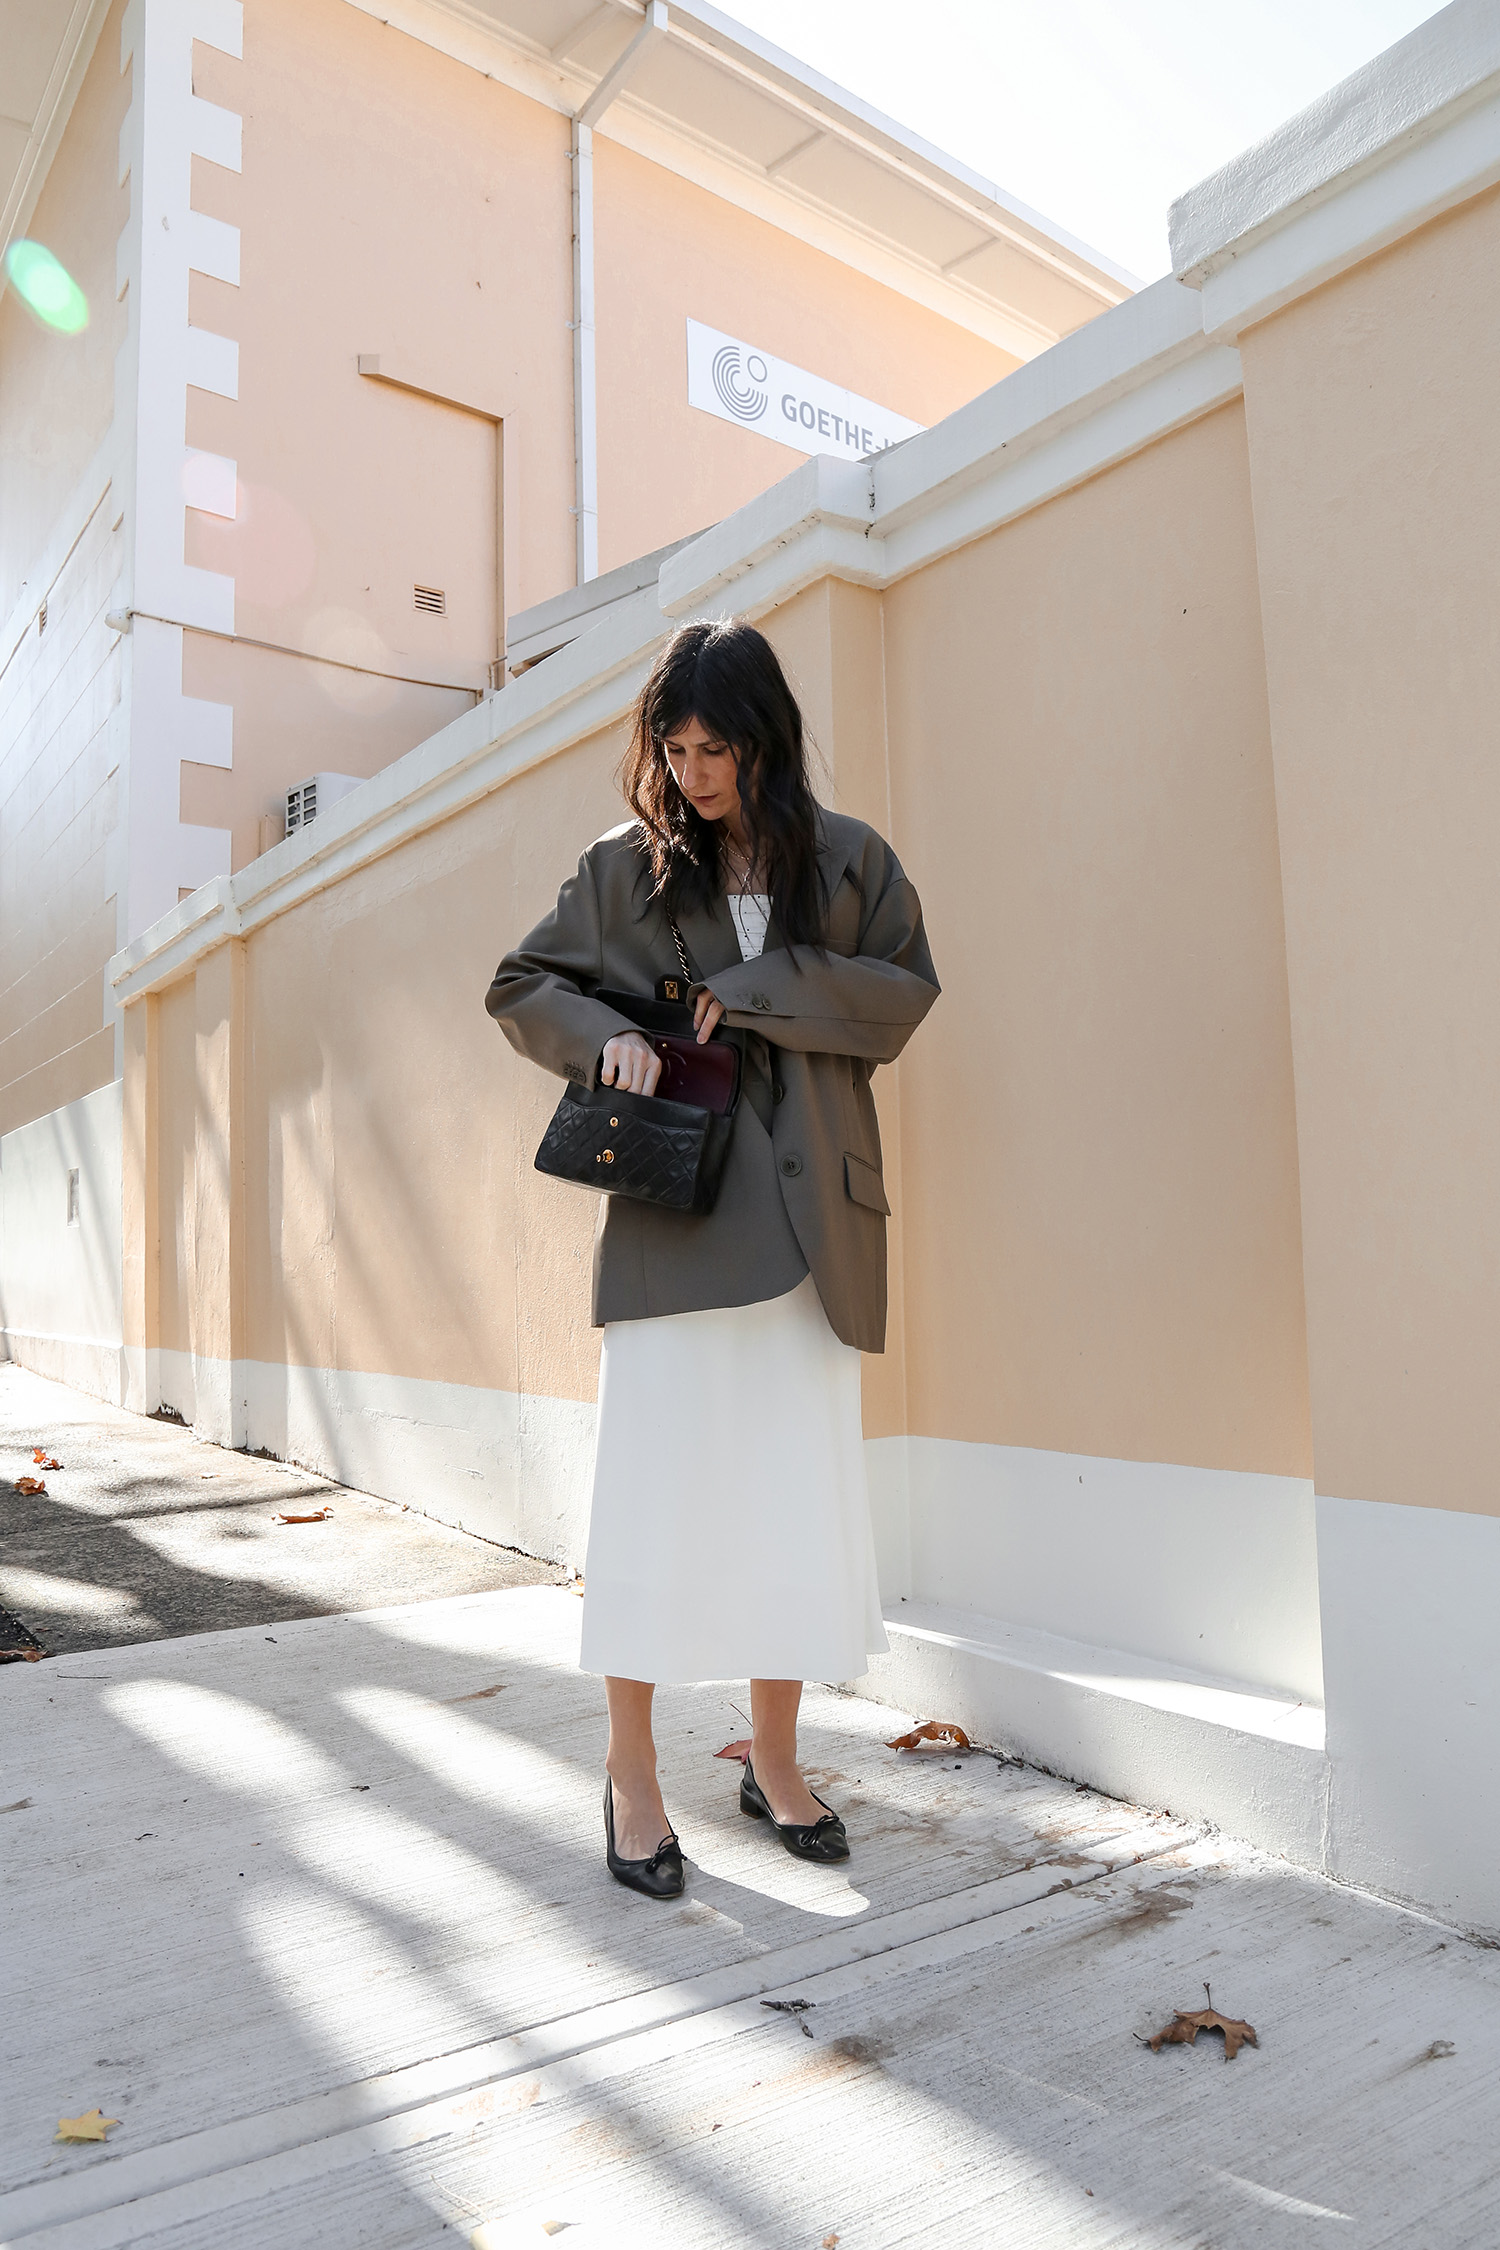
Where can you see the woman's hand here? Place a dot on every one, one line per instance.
(631, 1063)
(707, 1012)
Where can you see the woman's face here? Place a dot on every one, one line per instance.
(704, 769)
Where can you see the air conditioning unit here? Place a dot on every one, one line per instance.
(315, 795)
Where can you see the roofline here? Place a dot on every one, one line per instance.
(733, 38)
(44, 136)
(560, 81)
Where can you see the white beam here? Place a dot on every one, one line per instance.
(624, 65)
(605, 12)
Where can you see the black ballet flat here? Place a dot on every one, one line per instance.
(660, 1876)
(823, 1839)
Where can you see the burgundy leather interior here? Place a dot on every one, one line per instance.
(704, 1076)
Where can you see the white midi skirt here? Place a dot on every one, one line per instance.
(730, 1536)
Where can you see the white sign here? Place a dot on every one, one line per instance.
(740, 383)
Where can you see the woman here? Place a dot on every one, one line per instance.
(730, 1533)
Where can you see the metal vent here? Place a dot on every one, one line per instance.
(318, 793)
(41, 618)
(432, 599)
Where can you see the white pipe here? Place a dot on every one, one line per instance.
(585, 397)
(585, 404)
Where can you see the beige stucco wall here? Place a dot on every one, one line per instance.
(394, 204)
(58, 784)
(402, 207)
(667, 250)
(1104, 1242)
(1376, 489)
(1157, 1092)
(174, 1118)
(1091, 1146)
(441, 246)
(57, 392)
(393, 1222)
(59, 688)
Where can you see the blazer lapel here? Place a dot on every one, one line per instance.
(832, 860)
(709, 933)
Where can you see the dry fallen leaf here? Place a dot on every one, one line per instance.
(478, 1695)
(830, 2242)
(740, 1750)
(321, 1517)
(1188, 2022)
(936, 1730)
(30, 1484)
(92, 2126)
(43, 1458)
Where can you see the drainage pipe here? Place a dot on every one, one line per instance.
(585, 399)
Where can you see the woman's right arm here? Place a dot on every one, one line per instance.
(538, 996)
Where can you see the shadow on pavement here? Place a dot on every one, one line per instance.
(147, 1533)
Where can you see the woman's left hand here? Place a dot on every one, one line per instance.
(707, 1013)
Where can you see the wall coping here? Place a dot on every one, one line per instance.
(1150, 365)
(1412, 89)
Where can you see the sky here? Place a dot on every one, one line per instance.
(1095, 112)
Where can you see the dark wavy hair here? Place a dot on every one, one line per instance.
(727, 676)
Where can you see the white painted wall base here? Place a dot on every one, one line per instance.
(1212, 1569)
(512, 1468)
(1411, 1598)
(60, 1285)
(1393, 1794)
(1149, 1628)
(1151, 1732)
(82, 1362)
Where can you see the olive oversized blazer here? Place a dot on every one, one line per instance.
(802, 1189)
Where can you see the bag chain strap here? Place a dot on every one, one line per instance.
(681, 949)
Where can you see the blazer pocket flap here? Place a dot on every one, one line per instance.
(863, 1184)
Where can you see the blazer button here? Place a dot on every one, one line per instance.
(791, 1166)
(778, 1092)
(759, 1000)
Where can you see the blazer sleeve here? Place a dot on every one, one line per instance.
(865, 1004)
(541, 995)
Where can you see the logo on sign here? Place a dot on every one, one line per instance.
(740, 392)
(743, 383)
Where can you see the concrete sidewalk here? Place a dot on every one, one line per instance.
(319, 1913)
(147, 1531)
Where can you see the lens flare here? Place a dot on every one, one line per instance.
(47, 287)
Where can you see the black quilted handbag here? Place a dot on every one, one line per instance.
(654, 1147)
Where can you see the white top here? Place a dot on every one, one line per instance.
(750, 912)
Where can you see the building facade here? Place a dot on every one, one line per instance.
(390, 331)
